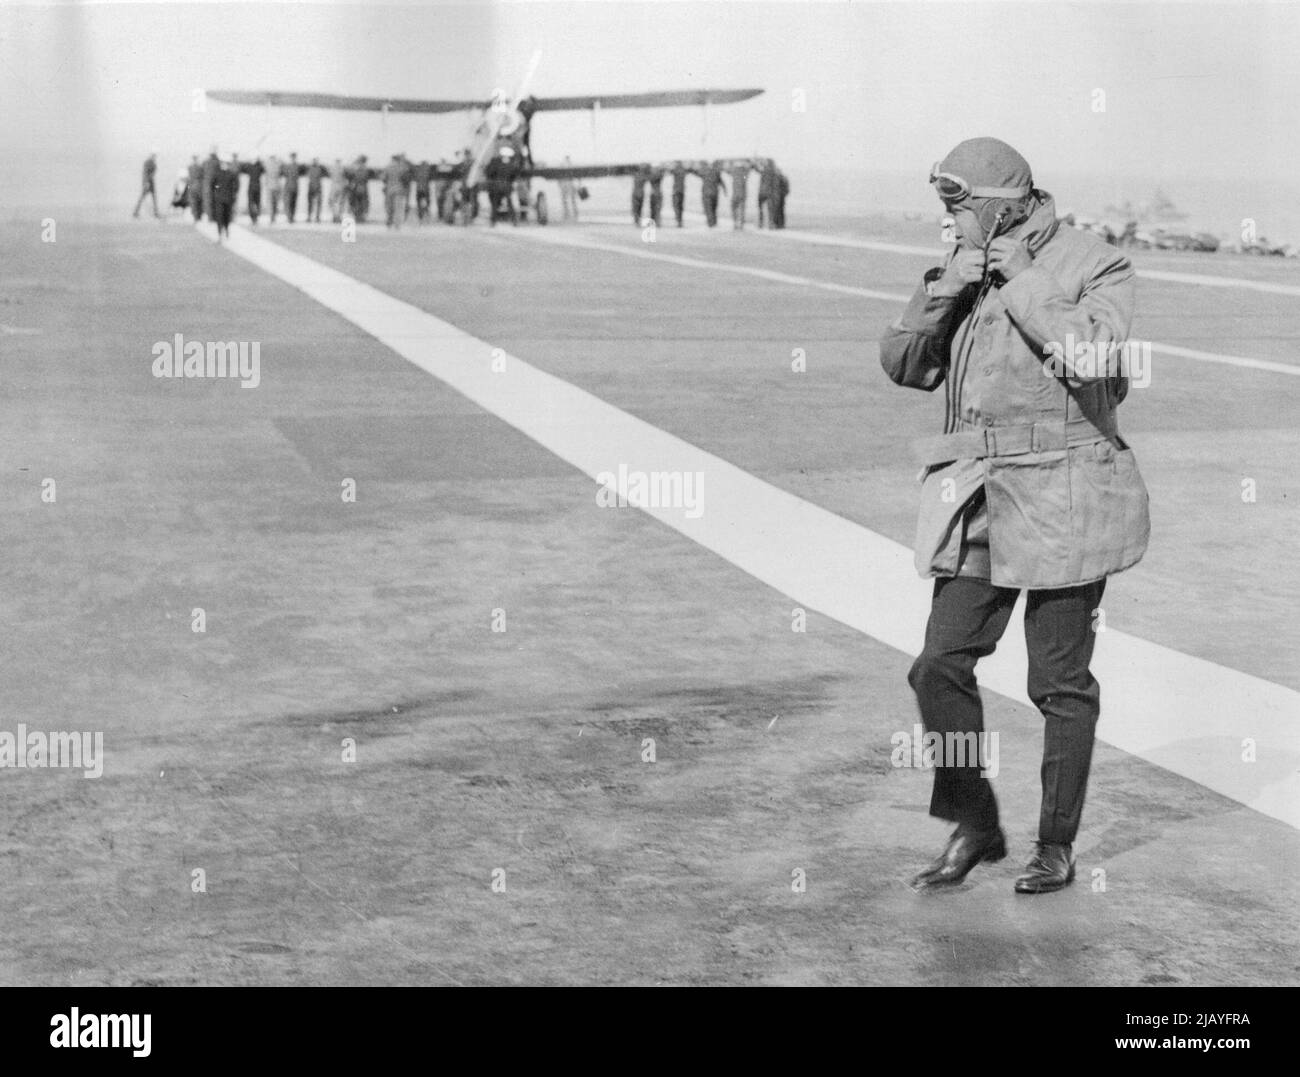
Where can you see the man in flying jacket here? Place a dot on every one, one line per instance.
(1030, 487)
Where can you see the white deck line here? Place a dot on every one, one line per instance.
(649, 254)
(1204, 280)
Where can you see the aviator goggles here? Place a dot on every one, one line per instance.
(955, 189)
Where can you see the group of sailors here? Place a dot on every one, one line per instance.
(773, 188)
(210, 188)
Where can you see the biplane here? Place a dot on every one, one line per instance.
(504, 129)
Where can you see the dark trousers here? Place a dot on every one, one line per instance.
(711, 207)
(967, 618)
(146, 190)
(679, 206)
(224, 212)
(254, 203)
(291, 199)
(313, 204)
(395, 205)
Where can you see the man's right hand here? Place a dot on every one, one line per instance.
(965, 268)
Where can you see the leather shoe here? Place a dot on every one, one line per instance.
(965, 849)
(1052, 868)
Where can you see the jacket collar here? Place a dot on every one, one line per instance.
(1041, 224)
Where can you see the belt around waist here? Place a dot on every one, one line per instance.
(977, 443)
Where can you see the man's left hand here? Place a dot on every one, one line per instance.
(1008, 256)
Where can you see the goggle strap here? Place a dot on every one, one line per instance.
(1000, 192)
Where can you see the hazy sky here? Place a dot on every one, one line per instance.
(1206, 89)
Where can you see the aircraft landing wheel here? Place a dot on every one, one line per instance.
(541, 208)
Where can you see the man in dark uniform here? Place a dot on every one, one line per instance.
(254, 170)
(210, 167)
(395, 177)
(656, 193)
(194, 187)
(291, 170)
(739, 192)
(147, 185)
(1053, 504)
(364, 176)
(499, 174)
(766, 193)
(527, 107)
(315, 173)
(711, 181)
(359, 188)
(352, 192)
(469, 193)
(639, 179)
(679, 190)
(442, 191)
(422, 174)
(778, 199)
(225, 191)
(408, 198)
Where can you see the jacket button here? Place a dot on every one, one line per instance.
(988, 319)
(988, 370)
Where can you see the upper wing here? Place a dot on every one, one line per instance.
(562, 172)
(660, 99)
(340, 101)
(657, 99)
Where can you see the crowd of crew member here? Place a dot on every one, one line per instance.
(773, 187)
(209, 188)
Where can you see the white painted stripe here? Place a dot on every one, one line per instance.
(1180, 712)
(1207, 281)
(828, 240)
(412, 228)
(567, 240)
(570, 240)
(823, 239)
(1204, 280)
(1228, 360)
